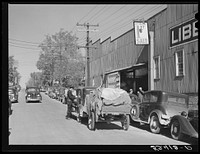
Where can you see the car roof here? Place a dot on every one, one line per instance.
(32, 87)
(166, 92)
(88, 87)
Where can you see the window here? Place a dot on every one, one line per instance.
(157, 67)
(180, 65)
(179, 100)
(149, 97)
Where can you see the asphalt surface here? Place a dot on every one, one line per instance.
(45, 124)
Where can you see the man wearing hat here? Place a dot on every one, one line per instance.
(70, 100)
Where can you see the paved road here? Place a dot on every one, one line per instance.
(45, 124)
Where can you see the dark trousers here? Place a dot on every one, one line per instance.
(69, 108)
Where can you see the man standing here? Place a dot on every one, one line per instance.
(70, 100)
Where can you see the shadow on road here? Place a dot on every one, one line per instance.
(33, 102)
(165, 132)
(98, 125)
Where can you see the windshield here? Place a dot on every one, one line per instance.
(32, 90)
(10, 91)
(150, 97)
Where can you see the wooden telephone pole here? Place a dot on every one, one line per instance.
(87, 81)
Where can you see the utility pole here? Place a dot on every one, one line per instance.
(87, 82)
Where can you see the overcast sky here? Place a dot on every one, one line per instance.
(28, 25)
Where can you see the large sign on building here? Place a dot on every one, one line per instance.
(141, 33)
(183, 33)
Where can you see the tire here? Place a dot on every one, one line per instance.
(175, 130)
(91, 121)
(155, 124)
(134, 113)
(126, 122)
(78, 118)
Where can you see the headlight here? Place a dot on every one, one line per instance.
(38, 95)
(29, 95)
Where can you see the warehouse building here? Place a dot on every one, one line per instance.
(169, 62)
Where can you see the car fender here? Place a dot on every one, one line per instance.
(186, 127)
(159, 114)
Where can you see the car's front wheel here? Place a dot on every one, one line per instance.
(155, 124)
(91, 121)
(126, 122)
(175, 130)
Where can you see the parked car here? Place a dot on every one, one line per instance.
(13, 94)
(61, 94)
(161, 109)
(33, 94)
(81, 108)
(194, 118)
(9, 107)
(52, 94)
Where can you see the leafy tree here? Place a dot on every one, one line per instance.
(35, 79)
(60, 58)
(13, 74)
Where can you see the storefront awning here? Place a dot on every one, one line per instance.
(125, 68)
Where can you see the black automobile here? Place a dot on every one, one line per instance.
(33, 94)
(9, 106)
(13, 94)
(161, 109)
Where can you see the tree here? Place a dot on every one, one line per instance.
(13, 74)
(60, 58)
(35, 79)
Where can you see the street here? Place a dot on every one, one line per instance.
(45, 124)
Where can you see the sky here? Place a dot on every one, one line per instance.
(28, 24)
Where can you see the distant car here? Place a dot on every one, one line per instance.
(52, 94)
(33, 94)
(9, 107)
(161, 109)
(13, 94)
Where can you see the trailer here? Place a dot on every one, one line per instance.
(108, 105)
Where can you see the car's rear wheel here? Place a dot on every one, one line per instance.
(175, 130)
(154, 124)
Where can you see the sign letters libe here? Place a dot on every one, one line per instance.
(183, 33)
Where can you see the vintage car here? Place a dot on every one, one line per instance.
(33, 94)
(81, 108)
(51, 93)
(9, 106)
(194, 118)
(161, 109)
(13, 94)
(61, 94)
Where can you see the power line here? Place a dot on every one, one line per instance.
(125, 18)
(23, 41)
(85, 16)
(108, 31)
(97, 13)
(112, 14)
(118, 17)
(24, 47)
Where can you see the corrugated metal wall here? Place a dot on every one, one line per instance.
(122, 52)
(174, 15)
(110, 55)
